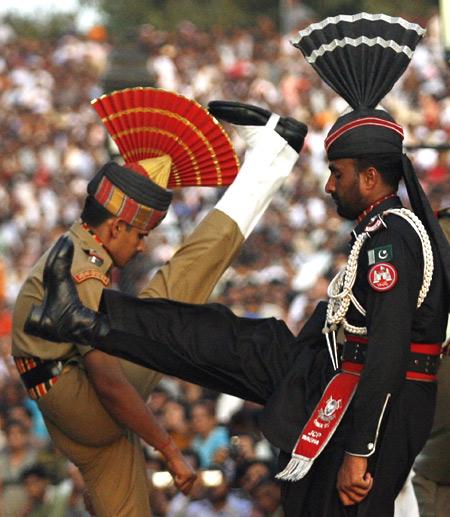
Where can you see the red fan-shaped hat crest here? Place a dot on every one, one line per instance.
(151, 122)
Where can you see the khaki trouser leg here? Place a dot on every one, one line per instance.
(433, 498)
(194, 270)
(114, 493)
(110, 459)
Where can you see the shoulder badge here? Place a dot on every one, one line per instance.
(382, 277)
(94, 258)
(380, 254)
(91, 273)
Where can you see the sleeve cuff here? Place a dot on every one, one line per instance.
(365, 446)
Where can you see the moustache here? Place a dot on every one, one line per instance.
(335, 198)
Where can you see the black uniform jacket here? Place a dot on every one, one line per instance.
(393, 322)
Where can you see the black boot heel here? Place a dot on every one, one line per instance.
(38, 325)
(42, 318)
(34, 320)
(62, 317)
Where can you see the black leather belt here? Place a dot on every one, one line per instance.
(417, 362)
(423, 358)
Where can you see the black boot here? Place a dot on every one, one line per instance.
(242, 114)
(61, 317)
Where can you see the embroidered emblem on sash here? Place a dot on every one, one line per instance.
(382, 276)
(327, 414)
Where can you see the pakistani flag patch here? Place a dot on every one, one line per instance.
(381, 254)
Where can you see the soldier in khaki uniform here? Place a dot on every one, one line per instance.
(93, 403)
(431, 479)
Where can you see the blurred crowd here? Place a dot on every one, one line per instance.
(51, 144)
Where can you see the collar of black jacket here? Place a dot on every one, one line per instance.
(393, 202)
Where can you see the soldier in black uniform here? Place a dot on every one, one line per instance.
(358, 382)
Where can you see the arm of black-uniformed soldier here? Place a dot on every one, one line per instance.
(389, 320)
(125, 405)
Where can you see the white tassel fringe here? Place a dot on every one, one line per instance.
(296, 469)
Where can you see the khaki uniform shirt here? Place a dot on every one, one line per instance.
(90, 269)
(110, 457)
(189, 276)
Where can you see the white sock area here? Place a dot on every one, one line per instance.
(252, 135)
(267, 163)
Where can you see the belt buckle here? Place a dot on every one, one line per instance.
(56, 369)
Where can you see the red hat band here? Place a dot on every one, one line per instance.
(366, 121)
(120, 205)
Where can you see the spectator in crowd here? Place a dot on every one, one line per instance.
(177, 424)
(15, 457)
(48, 500)
(43, 498)
(218, 499)
(267, 497)
(250, 474)
(209, 437)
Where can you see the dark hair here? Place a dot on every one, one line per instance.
(94, 214)
(388, 165)
(27, 410)
(263, 482)
(242, 468)
(10, 423)
(37, 470)
(207, 404)
(191, 453)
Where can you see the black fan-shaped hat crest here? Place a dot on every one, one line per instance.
(360, 56)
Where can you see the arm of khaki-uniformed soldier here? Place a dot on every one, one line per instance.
(192, 273)
(123, 402)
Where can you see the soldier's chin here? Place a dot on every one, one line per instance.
(346, 212)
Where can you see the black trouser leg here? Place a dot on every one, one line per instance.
(203, 344)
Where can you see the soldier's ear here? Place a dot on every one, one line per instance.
(114, 225)
(370, 177)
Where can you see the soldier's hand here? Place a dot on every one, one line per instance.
(353, 480)
(182, 473)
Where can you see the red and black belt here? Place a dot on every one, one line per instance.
(423, 359)
(423, 363)
(38, 375)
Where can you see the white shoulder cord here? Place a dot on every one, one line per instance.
(340, 292)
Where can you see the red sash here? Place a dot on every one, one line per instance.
(321, 425)
(333, 404)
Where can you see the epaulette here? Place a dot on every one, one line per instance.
(375, 224)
